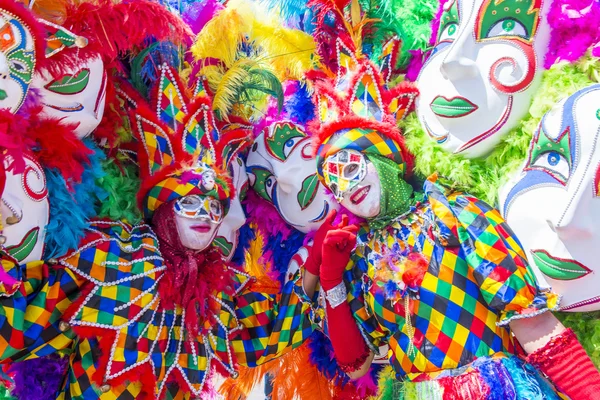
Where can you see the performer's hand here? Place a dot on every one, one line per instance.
(315, 255)
(337, 249)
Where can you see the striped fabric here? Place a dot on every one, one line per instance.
(476, 280)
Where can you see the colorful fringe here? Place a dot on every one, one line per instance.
(499, 377)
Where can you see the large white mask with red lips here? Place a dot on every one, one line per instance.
(482, 73)
(553, 202)
(24, 210)
(76, 96)
(282, 170)
(227, 235)
(197, 219)
(17, 61)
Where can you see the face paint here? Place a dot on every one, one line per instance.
(24, 210)
(552, 202)
(227, 236)
(77, 96)
(282, 170)
(17, 61)
(364, 197)
(199, 207)
(197, 219)
(481, 75)
(343, 171)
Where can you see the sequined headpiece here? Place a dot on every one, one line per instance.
(181, 150)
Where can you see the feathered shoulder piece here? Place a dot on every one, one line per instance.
(180, 149)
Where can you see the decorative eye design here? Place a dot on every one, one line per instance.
(290, 144)
(448, 33)
(553, 163)
(508, 27)
(262, 181)
(270, 184)
(33, 180)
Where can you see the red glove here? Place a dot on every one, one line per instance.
(566, 363)
(313, 261)
(337, 249)
(349, 346)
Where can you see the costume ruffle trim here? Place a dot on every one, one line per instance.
(557, 346)
(544, 301)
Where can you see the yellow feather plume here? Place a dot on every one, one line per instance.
(221, 36)
(289, 51)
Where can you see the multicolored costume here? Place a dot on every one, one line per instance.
(117, 305)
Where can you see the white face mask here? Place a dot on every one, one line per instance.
(227, 235)
(480, 78)
(364, 198)
(25, 201)
(553, 202)
(17, 61)
(77, 96)
(282, 170)
(197, 219)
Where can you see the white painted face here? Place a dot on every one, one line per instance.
(17, 61)
(227, 235)
(553, 202)
(25, 211)
(362, 198)
(282, 170)
(77, 96)
(197, 219)
(482, 73)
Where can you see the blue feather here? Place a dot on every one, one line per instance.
(70, 211)
(283, 251)
(245, 237)
(321, 356)
(300, 106)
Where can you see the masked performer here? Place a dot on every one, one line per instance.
(146, 314)
(437, 275)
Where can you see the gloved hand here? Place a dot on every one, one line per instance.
(313, 261)
(337, 249)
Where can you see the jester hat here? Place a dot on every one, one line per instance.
(180, 147)
(357, 112)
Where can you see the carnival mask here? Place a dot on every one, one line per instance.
(227, 235)
(482, 72)
(25, 211)
(282, 170)
(354, 181)
(197, 219)
(553, 203)
(17, 61)
(76, 96)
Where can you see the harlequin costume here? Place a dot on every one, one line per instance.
(568, 64)
(117, 304)
(437, 276)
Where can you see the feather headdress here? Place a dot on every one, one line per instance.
(244, 53)
(180, 146)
